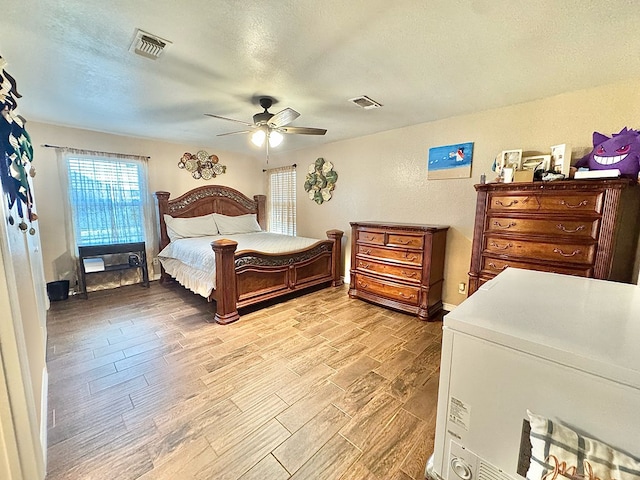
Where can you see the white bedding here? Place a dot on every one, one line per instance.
(191, 261)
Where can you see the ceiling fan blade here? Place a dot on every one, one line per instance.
(229, 119)
(303, 130)
(283, 117)
(233, 133)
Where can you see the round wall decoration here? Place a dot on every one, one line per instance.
(202, 165)
(320, 181)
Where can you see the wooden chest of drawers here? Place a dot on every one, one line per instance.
(585, 228)
(399, 266)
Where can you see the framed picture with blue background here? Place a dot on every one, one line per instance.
(450, 161)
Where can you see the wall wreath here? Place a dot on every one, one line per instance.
(320, 181)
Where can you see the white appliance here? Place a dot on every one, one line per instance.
(564, 347)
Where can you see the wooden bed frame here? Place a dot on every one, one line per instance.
(249, 277)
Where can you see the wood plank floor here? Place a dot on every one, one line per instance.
(317, 387)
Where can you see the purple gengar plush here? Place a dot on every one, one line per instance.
(621, 151)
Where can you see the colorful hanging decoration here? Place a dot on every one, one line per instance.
(320, 181)
(16, 154)
(202, 165)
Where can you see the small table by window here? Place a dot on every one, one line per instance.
(137, 258)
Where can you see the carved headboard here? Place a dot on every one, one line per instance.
(205, 200)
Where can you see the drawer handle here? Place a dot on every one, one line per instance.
(564, 229)
(368, 237)
(362, 284)
(365, 265)
(572, 254)
(496, 267)
(409, 274)
(577, 205)
(400, 242)
(367, 251)
(510, 204)
(495, 245)
(499, 225)
(405, 296)
(411, 257)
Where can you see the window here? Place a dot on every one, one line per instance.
(108, 199)
(281, 200)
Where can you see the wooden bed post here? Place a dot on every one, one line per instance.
(336, 237)
(226, 298)
(162, 201)
(261, 214)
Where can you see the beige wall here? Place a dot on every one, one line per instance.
(381, 176)
(243, 173)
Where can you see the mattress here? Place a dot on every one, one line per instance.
(191, 261)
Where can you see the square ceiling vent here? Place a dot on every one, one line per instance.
(148, 45)
(365, 102)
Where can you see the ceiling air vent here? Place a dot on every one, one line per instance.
(148, 45)
(365, 102)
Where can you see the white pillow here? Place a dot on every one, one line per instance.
(558, 449)
(240, 224)
(190, 227)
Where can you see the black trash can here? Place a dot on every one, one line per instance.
(58, 290)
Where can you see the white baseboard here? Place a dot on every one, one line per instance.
(448, 306)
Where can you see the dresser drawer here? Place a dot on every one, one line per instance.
(392, 239)
(371, 237)
(405, 240)
(506, 202)
(559, 252)
(496, 265)
(566, 202)
(405, 256)
(587, 228)
(406, 294)
(405, 273)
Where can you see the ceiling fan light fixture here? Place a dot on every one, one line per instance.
(258, 137)
(270, 126)
(275, 138)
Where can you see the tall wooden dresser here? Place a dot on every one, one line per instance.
(587, 228)
(399, 266)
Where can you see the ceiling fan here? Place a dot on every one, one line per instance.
(270, 126)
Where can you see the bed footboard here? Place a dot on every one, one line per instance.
(249, 277)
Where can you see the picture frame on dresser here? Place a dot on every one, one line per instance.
(561, 159)
(537, 162)
(511, 159)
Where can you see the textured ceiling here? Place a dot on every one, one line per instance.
(423, 59)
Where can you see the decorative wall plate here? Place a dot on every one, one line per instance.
(320, 181)
(202, 165)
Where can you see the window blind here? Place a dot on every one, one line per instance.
(107, 200)
(282, 200)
